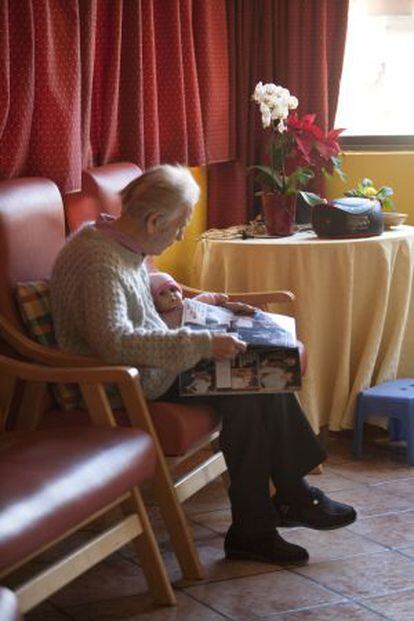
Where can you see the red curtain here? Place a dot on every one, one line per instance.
(85, 82)
(296, 43)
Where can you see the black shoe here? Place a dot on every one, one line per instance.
(269, 548)
(316, 510)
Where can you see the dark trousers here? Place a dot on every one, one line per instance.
(263, 437)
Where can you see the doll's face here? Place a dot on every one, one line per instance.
(167, 299)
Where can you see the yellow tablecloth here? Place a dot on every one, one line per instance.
(354, 307)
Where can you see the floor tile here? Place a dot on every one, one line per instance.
(328, 545)
(398, 606)
(338, 612)
(332, 481)
(373, 470)
(217, 521)
(393, 530)
(371, 500)
(363, 576)
(162, 536)
(46, 612)
(111, 578)
(406, 551)
(403, 488)
(140, 608)
(210, 498)
(255, 597)
(216, 567)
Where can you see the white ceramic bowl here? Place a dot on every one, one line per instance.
(393, 218)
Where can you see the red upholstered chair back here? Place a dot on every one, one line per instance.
(100, 193)
(32, 231)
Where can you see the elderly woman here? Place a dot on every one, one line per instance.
(102, 305)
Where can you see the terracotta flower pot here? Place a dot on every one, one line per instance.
(279, 211)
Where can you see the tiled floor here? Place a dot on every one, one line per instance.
(361, 573)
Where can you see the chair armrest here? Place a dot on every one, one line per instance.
(258, 298)
(42, 354)
(261, 298)
(190, 292)
(73, 375)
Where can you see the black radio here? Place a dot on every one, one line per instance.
(348, 217)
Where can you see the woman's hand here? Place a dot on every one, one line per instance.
(226, 346)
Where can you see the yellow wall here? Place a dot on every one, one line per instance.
(177, 259)
(395, 169)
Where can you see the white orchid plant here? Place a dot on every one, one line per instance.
(275, 103)
(298, 148)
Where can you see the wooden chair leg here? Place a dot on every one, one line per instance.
(150, 557)
(178, 529)
(31, 406)
(7, 390)
(171, 509)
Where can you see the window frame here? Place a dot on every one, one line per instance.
(377, 143)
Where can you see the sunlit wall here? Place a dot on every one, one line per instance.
(177, 259)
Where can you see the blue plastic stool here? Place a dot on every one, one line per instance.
(394, 400)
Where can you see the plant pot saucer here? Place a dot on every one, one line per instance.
(393, 218)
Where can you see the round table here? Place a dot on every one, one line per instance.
(354, 307)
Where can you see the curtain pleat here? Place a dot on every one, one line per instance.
(296, 43)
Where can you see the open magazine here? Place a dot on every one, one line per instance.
(270, 364)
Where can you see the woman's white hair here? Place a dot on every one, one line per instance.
(164, 188)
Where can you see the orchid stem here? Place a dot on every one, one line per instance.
(273, 156)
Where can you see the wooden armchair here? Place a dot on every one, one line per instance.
(30, 212)
(54, 482)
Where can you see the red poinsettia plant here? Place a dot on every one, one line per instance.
(299, 149)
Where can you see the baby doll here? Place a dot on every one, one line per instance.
(168, 299)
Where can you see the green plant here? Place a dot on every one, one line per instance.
(366, 189)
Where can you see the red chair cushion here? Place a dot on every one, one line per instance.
(179, 426)
(52, 480)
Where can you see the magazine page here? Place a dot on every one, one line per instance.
(260, 329)
(271, 364)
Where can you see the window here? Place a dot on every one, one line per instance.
(376, 99)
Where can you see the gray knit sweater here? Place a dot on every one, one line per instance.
(102, 306)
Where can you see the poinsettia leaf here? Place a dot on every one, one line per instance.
(308, 119)
(334, 133)
(305, 146)
(312, 199)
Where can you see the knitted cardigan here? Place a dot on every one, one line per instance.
(102, 306)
